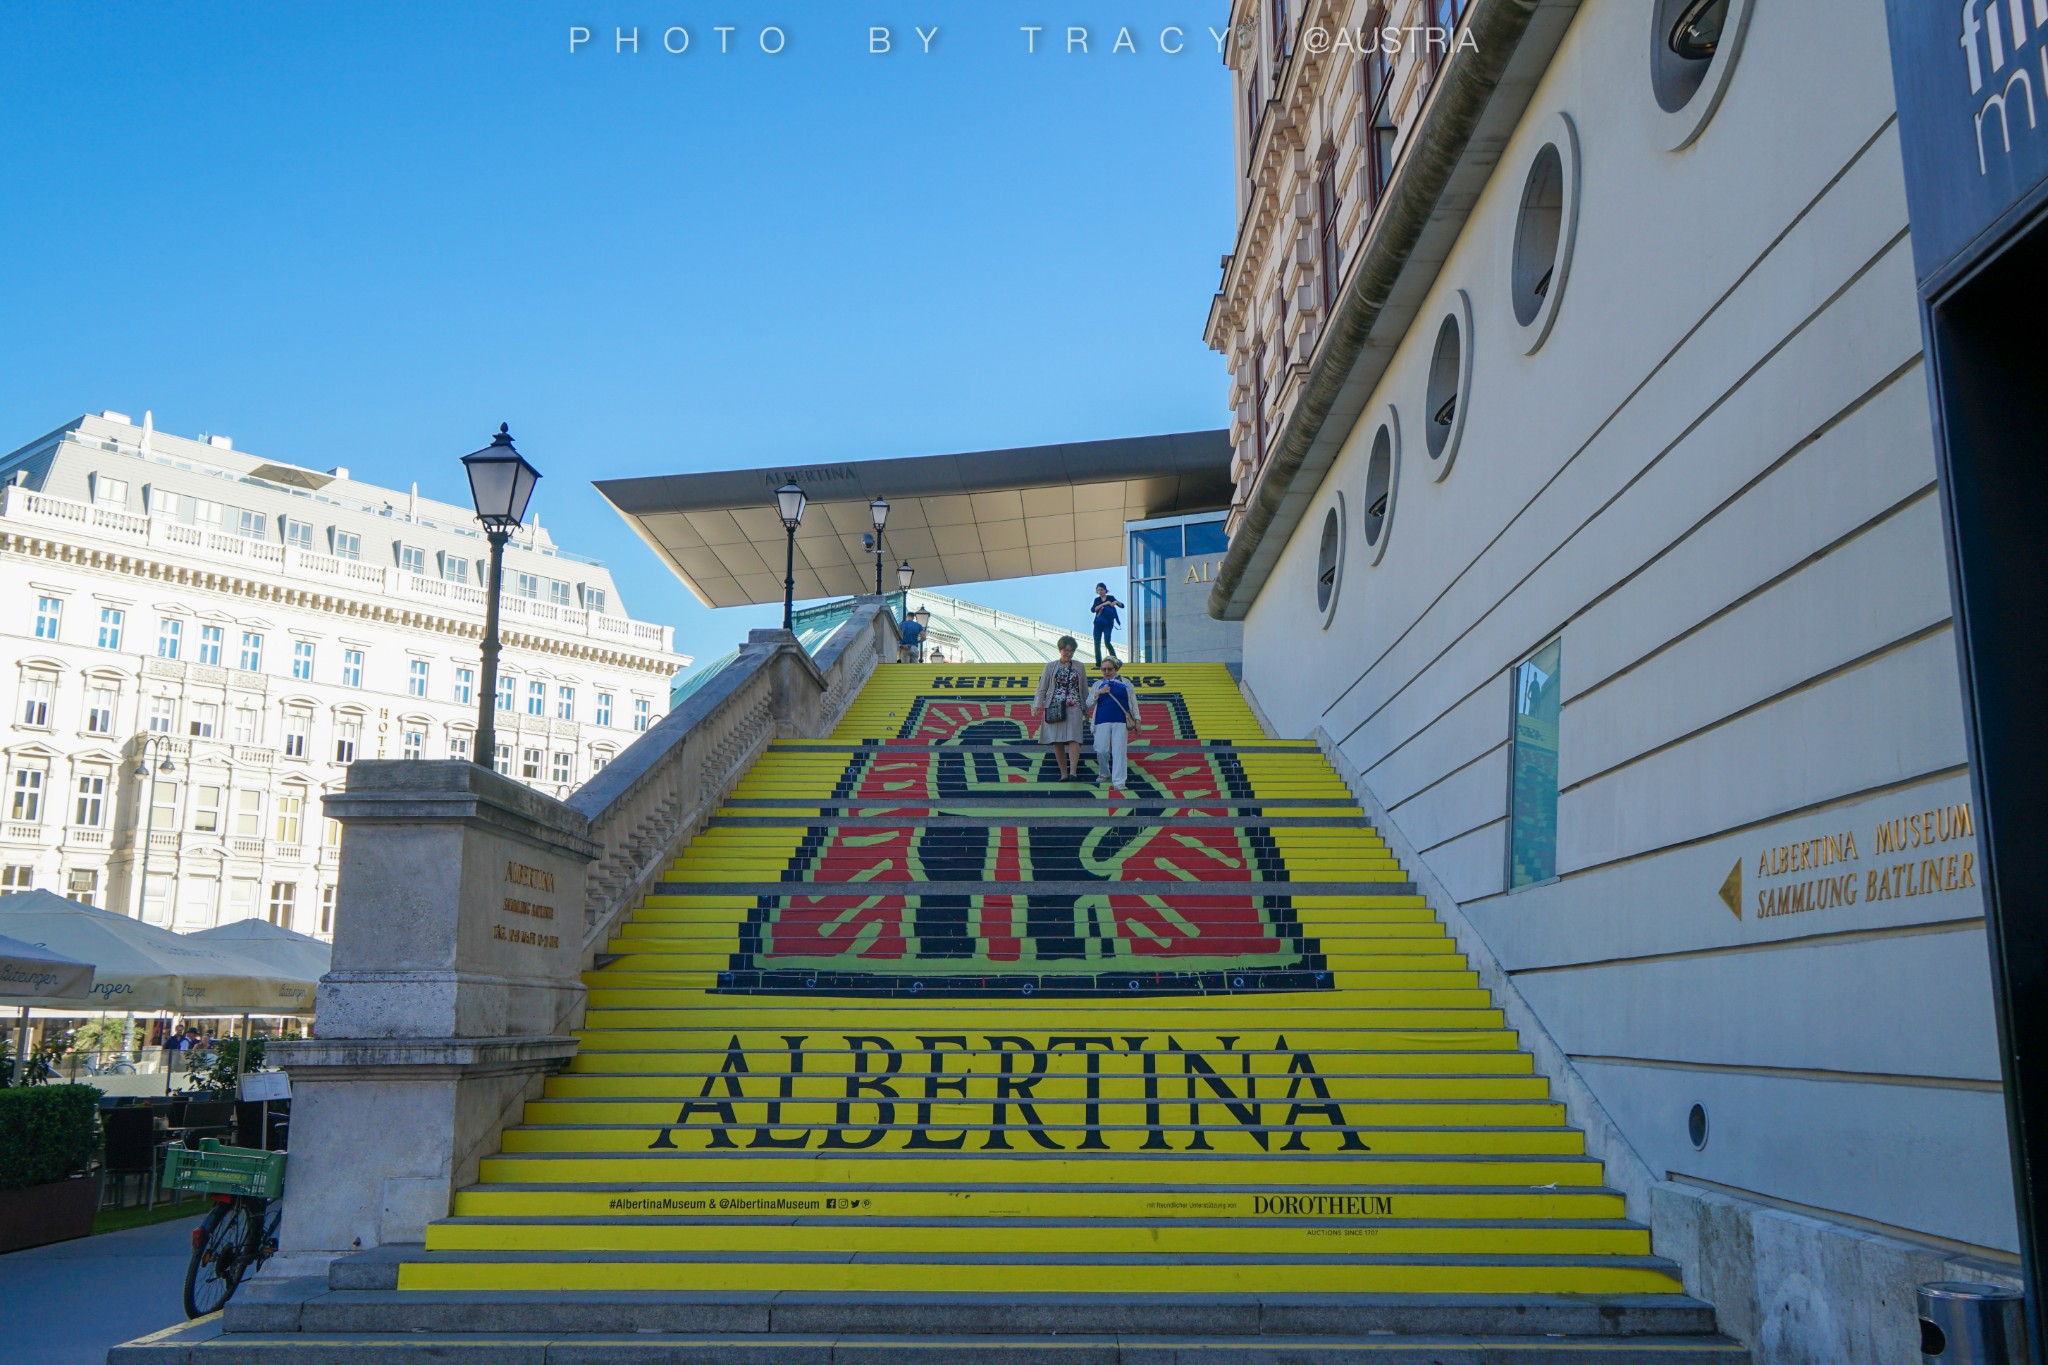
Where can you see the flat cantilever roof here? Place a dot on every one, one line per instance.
(963, 518)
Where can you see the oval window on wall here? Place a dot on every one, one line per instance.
(1693, 48)
(1382, 482)
(1450, 380)
(1330, 562)
(1545, 228)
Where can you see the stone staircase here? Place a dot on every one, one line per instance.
(917, 1053)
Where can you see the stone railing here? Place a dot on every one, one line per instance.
(469, 907)
(658, 793)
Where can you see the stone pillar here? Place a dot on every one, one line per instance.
(457, 977)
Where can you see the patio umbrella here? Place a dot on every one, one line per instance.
(141, 968)
(29, 969)
(299, 956)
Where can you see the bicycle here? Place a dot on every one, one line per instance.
(239, 1232)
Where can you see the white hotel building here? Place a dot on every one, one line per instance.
(260, 626)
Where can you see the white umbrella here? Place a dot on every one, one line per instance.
(29, 969)
(139, 967)
(299, 956)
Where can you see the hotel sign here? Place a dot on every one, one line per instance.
(1972, 83)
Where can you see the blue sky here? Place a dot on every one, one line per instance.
(365, 234)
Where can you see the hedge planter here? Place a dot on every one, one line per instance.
(37, 1215)
(47, 1138)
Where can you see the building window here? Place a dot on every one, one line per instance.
(348, 731)
(536, 698)
(99, 709)
(347, 544)
(26, 803)
(1532, 816)
(206, 513)
(298, 534)
(465, 686)
(290, 808)
(302, 660)
(284, 897)
(501, 761)
(170, 638)
(211, 640)
(643, 712)
(529, 764)
(454, 568)
(17, 877)
(327, 909)
(206, 809)
(598, 758)
(1278, 14)
(252, 652)
(505, 694)
(249, 524)
(593, 599)
(163, 715)
(163, 804)
(558, 592)
(351, 668)
(1329, 247)
(109, 492)
(412, 559)
(565, 703)
(204, 718)
(297, 726)
(1378, 75)
(414, 744)
(111, 619)
(249, 813)
(92, 798)
(1254, 103)
(565, 767)
(37, 692)
(332, 836)
(49, 615)
(248, 725)
(458, 746)
(82, 884)
(604, 708)
(416, 677)
(526, 584)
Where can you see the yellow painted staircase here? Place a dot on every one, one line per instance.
(918, 1052)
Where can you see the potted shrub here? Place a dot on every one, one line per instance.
(48, 1134)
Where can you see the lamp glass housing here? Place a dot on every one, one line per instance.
(789, 503)
(879, 510)
(904, 574)
(500, 482)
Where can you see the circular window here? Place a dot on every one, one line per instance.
(1693, 47)
(1382, 476)
(1544, 231)
(1450, 379)
(1696, 1127)
(1330, 562)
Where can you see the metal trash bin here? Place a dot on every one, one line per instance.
(1972, 1324)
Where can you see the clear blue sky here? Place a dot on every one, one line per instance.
(365, 234)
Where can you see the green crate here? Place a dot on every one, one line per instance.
(215, 1169)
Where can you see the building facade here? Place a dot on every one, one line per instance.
(1586, 508)
(1173, 566)
(244, 629)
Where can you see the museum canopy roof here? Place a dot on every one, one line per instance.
(962, 518)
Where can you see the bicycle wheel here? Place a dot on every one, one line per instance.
(219, 1247)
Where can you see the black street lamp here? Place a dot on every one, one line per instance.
(789, 504)
(879, 509)
(500, 483)
(160, 743)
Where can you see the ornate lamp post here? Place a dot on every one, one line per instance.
(500, 483)
(879, 509)
(150, 744)
(789, 504)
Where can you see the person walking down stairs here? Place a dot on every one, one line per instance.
(1058, 701)
(1113, 708)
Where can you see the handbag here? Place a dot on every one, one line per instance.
(1056, 705)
